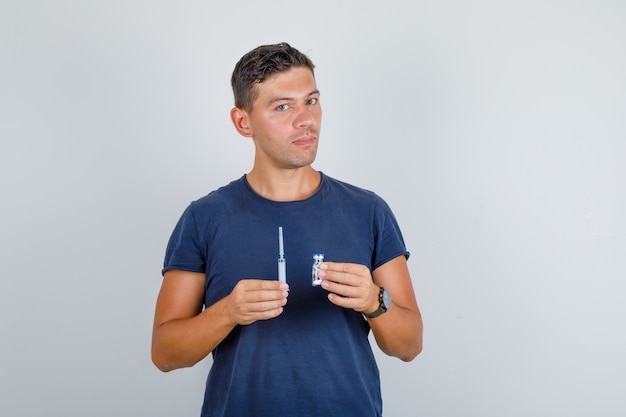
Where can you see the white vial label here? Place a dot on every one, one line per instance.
(318, 258)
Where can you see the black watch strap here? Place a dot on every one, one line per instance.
(384, 303)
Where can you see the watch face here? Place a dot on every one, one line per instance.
(386, 299)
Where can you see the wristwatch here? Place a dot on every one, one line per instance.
(385, 303)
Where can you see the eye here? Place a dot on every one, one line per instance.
(312, 101)
(282, 107)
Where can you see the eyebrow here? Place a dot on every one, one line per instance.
(277, 99)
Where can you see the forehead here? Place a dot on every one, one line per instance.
(293, 83)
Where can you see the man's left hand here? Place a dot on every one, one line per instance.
(350, 286)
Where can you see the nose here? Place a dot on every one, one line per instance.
(304, 117)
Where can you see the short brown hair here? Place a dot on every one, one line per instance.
(261, 63)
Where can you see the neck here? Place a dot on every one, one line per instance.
(285, 185)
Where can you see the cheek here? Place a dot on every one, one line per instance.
(318, 116)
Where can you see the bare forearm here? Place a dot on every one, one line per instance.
(183, 342)
(183, 335)
(398, 332)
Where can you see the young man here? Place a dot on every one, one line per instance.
(285, 348)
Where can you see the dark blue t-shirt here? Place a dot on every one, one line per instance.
(315, 358)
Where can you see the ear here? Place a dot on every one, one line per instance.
(241, 121)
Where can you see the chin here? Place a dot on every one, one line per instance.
(303, 161)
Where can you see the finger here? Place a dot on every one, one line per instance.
(345, 267)
(345, 279)
(336, 276)
(259, 307)
(250, 312)
(349, 274)
(260, 296)
(342, 289)
(263, 315)
(336, 266)
(262, 284)
(345, 302)
(260, 290)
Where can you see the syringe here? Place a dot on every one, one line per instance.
(282, 262)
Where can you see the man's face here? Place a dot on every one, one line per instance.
(285, 119)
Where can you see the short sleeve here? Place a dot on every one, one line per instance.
(389, 243)
(185, 248)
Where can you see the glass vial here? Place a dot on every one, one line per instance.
(318, 258)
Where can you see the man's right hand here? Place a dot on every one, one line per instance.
(255, 299)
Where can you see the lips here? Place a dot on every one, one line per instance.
(304, 141)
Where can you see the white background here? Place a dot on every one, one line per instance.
(495, 130)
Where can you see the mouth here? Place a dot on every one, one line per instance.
(306, 140)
